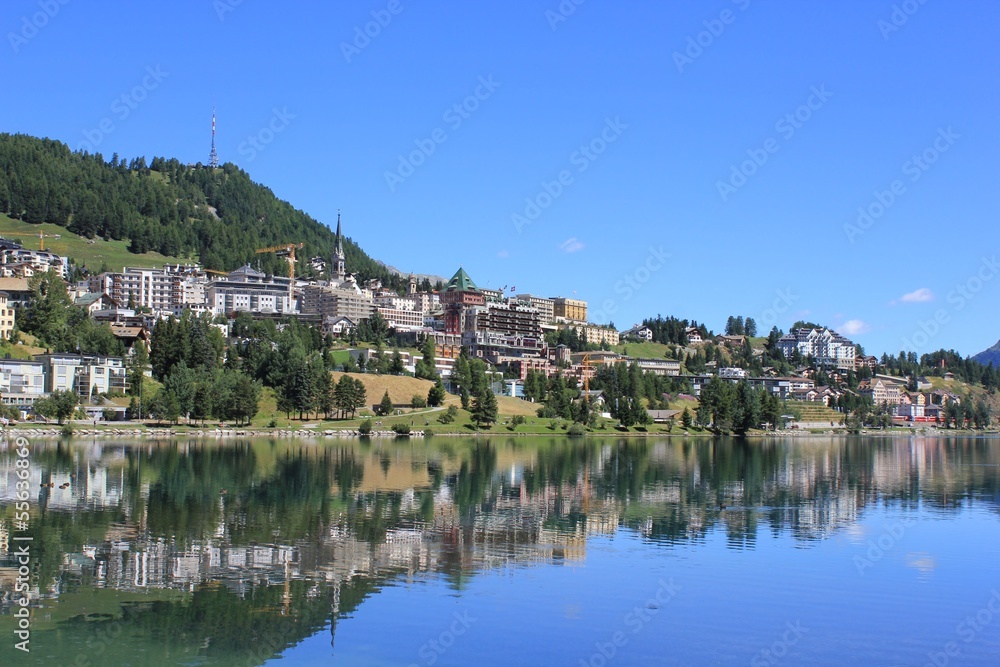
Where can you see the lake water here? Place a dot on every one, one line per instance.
(542, 551)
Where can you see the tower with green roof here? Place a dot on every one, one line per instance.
(459, 298)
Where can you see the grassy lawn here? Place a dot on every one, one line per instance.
(643, 349)
(92, 252)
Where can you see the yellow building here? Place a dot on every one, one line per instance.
(570, 310)
(6, 316)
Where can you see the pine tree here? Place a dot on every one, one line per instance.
(385, 405)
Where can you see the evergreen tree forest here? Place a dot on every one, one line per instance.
(218, 217)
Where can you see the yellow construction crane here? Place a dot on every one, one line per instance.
(219, 273)
(289, 250)
(41, 239)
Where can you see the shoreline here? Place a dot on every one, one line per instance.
(53, 431)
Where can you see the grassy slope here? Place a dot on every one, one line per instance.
(92, 252)
(644, 349)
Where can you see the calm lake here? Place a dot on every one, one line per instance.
(533, 551)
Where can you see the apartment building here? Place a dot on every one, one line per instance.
(338, 301)
(21, 382)
(39, 260)
(6, 316)
(509, 318)
(881, 391)
(402, 319)
(84, 374)
(826, 346)
(660, 366)
(249, 290)
(596, 335)
(569, 310)
(169, 290)
(545, 307)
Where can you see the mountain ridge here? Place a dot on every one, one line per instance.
(990, 355)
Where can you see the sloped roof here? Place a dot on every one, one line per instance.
(88, 299)
(14, 285)
(461, 282)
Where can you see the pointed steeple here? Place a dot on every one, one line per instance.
(339, 270)
(340, 238)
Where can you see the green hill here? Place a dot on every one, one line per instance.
(218, 217)
(92, 253)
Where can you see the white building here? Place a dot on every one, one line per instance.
(168, 290)
(638, 332)
(826, 346)
(40, 260)
(21, 382)
(402, 319)
(732, 373)
(545, 307)
(249, 290)
(83, 374)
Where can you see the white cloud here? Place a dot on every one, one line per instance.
(571, 245)
(918, 296)
(853, 327)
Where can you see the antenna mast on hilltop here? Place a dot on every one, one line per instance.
(213, 157)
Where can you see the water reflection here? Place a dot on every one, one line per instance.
(226, 553)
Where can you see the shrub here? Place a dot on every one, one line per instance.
(517, 420)
(366, 427)
(576, 429)
(418, 401)
(401, 429)
(449, 415)
(428, 432)
(66, 430)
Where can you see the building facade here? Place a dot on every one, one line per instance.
(826, 346)
(569, 310)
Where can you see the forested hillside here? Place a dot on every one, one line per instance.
(218, 217)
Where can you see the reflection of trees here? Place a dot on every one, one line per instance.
(474, 479)
(292, 503)
(184, 498)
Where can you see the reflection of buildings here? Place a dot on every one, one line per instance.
(532, 505)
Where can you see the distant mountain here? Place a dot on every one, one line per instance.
(219, 217)
(433, 279)
(991, 355)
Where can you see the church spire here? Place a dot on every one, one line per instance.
(339, 269)
(340, 238)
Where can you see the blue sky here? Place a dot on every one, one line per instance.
(690, 159)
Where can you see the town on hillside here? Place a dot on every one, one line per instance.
(468, 339)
